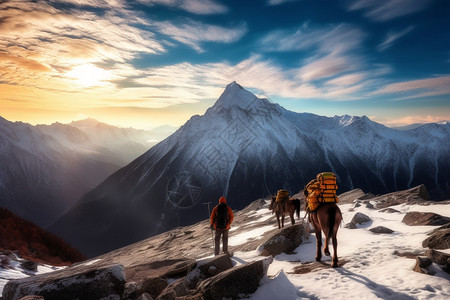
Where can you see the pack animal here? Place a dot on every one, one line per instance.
(325, 217)
(285, 207)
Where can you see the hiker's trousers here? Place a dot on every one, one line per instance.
(224, 234)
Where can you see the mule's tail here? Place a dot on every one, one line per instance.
(297, 208)
(332, 216)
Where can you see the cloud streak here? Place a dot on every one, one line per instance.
(385, 10)
(199, 7)
(193, 33)
(392, 37)
(418, 88)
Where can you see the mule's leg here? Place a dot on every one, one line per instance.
(318, 232)
(282, 220)
(338, 220)
(327, 241)
(334, 263)
(278, 221)
(292, 218)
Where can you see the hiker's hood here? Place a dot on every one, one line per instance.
(222, 200)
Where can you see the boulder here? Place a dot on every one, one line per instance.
(358, 218)
(235, 282)
(423, 265)
(381, 229)
(213, 266)
(440, 239)
(152, 278)
(437, 257)
(416, 218)
(174, 290)
(108, 281)
(29, 265)
(32, 297)
(144, 296)
(286, 240)
(350, 196)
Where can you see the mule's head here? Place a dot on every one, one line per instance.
(273, 198)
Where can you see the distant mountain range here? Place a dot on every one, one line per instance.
(244, 148)
(46, 168)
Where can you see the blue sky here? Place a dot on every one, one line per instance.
(146, 63)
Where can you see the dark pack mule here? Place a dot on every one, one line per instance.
(285, 208)
(327, 218)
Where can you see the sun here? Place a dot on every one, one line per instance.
(89, 75)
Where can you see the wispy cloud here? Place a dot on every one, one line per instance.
(339, 38)
(385, 10)
(278, 2)
(411, 119)
(200, 7)
(336, 49)
(193, 33)
(418, 88)
(393, 36)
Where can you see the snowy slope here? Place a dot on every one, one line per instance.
(369, 269)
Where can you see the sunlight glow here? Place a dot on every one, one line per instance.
(89, 75)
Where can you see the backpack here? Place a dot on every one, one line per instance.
(327, 181)
(222, 216)
(282, 195)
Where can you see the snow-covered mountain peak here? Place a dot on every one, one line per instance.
(235, 95)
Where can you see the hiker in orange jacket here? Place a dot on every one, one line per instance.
(221, 219)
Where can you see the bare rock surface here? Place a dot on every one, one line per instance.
(416, 195)
(440, 239)
(235, 282)
(83, 283)
(286, 240)
(381, 229)
(424, 265)
(351, 196)
(415, 218)
(358, 219)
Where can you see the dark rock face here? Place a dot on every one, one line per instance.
(424, 218)
(381, 229)
(88, 283)
(29, 265)
(423, 265)
(234, 283)
(286, 240)
(438, 240)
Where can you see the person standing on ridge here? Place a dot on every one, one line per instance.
(221, 219)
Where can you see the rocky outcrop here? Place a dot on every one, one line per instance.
(416, 195)
(358, 218)
(415, 218)
(424, 265)
(381, 229)
(152, 278)
(87, 283)
(440, 239)
(286, 240)
(236, 282)
(437, 257)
